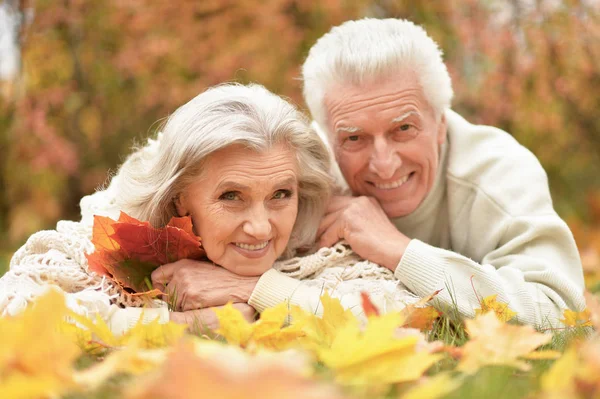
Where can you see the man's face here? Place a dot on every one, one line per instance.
(386, 140)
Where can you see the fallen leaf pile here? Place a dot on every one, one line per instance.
(128, 250)
(288, 353)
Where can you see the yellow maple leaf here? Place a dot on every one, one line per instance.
(146, 335)
(577, 319)
(321, 331)
(233, 326)
(35, 356)
(493, 342)
(270, 331)
(374, 355)
(560, 377)
(501, 309)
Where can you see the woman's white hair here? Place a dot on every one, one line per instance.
(369, 50)
(153, 176)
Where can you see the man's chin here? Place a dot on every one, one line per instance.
(397, 210)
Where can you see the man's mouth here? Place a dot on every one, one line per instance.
(252, 247)
(393, 184)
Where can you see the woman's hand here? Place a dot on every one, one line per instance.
(202, 319)
(191, 284)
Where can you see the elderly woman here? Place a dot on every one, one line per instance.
(240, 161)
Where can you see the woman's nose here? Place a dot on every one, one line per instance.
(258, 225)
(384, 160)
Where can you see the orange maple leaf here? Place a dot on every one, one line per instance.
(420, 315)
(128, 250)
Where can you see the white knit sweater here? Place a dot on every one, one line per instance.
(487, 227)
(57, 257)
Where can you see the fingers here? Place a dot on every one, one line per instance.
(338, 202)
(197, 320)
(328, 220)
(163, 274)
(331, 235)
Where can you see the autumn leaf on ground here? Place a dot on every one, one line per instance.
(321, 331)
(374, 355)
(493, 342)
(185, 375)
(575, 374)
(145, 335)
(35, 357)
(270, 331)
(489, 303)
(128, 250)
(577, 319)
(420, 315)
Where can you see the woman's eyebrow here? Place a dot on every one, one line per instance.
(232, 185)
(289, 181)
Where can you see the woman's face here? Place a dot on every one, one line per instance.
(244, 206)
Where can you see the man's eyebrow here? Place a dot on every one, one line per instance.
(348, 129)
(404, 116)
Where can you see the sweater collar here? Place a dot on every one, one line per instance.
(434, 197)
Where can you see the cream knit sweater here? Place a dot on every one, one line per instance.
(487, 227)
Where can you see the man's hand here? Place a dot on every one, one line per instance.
(364, 225)
(191, 284)
(207, 319)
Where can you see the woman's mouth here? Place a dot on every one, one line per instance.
(252, 247)
(256, 250)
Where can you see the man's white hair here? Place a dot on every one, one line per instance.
(370, 50)
(151, 177)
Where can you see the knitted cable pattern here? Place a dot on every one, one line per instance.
(329, 267)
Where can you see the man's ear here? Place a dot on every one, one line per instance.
(442, 130)
(179, 202)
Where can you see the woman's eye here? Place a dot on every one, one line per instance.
(282, 194)
(230, 196)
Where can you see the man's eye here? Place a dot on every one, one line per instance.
(404, 127)
(353, 138)
(282, 194)
(230, 196)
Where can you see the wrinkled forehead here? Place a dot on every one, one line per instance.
(400, 92)
(245, 160)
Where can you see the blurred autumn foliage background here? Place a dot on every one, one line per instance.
(92, 77)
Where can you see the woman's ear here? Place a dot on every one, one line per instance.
(180, 206)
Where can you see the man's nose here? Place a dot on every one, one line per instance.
(258, 224)
(384, 160)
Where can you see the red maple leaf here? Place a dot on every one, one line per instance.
(369, 308)
(128, 250)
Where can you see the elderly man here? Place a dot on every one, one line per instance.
(441, 203)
